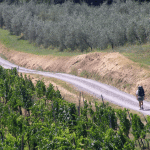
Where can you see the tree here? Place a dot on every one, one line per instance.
(137, 126)
(40, 88)
(124, 122)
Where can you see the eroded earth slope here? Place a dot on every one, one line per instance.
(110, 68)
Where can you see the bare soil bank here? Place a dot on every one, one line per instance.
(112, 68)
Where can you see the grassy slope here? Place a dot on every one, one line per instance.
(137, 53)
(16, 43)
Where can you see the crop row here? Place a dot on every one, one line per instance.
(37, 117)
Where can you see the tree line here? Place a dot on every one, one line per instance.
(89, 2)
(78, 27)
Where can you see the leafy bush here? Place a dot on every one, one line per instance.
(25, 25)
(137, 126)
(40, 88)
(8, 13)
(32, 30)
(1, 18)
(131, 33)
(16, 22)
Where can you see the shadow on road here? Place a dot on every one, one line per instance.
(146, 109)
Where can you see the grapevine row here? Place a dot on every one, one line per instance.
(37, 117)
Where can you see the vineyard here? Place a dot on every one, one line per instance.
(34, 117)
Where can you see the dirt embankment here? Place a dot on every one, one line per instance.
(111, 68)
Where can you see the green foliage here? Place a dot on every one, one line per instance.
(105, 117)
(40, 88)
(56, 124)
(10, 143)
(50, 92)
(124, 122)
(73, 27)
(112, 140)
(137, 127)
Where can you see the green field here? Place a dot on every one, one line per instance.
(16, 43)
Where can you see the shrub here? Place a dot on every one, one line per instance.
(32, 29)
(16, 22)
(25, 25)
(39, 33)
(50, 33)
(131, 32)
(7, 14)
(1, 18)
(141, 33)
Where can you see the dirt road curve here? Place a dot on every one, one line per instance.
(95, 88)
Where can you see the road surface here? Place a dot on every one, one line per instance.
(93, 87)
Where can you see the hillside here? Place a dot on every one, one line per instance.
(110, 68)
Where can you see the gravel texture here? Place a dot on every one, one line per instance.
(93, 87)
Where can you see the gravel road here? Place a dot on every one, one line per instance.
(93, 87)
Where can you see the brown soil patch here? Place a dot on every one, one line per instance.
(113, 68)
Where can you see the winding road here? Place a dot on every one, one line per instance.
(93, 87)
